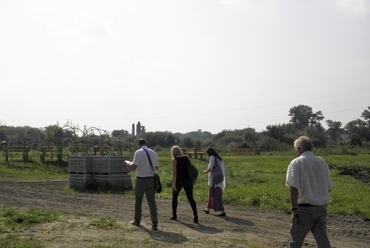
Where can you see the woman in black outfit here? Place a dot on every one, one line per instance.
(180, 178)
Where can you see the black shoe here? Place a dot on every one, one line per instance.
(134, 223)
(154, 227)
(174, 217)
(206, 211)
(196, 219)
(222, 214)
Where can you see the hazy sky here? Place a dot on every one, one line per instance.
(182, 65)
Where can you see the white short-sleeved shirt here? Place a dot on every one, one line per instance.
(311, 176)
(141, 159)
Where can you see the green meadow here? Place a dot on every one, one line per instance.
(259, 182)
(251, 181)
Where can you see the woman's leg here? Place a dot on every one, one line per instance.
(189, 194)
(175, 195)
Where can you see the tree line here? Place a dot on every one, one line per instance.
(303, 121)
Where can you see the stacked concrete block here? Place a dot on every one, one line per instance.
(80, 172)
(104, 172)
(80, 181)
(109, 164)
(113, 181)
(80, 164)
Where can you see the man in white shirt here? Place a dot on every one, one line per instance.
(309, 181)
(145, 184)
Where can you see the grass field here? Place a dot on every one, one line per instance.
(259, 181)
(251, 181)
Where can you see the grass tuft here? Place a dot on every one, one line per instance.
(11, 217)
(14, 241)
(106, 223)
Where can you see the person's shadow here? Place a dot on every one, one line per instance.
(164, 236)
(204, 228)
(201, 228)
(238, 221)
(171, 237)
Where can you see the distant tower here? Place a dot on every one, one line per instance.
(138, 128)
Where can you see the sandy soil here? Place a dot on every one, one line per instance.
(241, 227)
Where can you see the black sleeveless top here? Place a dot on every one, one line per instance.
(182, 169)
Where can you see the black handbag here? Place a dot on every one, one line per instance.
(158, 184)
(192, 170)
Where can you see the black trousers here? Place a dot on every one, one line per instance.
(188, 187)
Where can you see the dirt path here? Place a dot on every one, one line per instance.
(240, 228)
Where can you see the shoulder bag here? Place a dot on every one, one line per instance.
(192, 170)
(217, 174)
(158, 184)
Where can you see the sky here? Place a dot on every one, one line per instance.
(182, 66)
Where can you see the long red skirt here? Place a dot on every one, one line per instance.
(215, 199)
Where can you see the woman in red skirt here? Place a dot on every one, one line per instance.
(216, 182)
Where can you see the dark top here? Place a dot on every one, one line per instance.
(182, 169)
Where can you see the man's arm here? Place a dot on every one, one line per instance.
(132, 165)
(156, 162)
(293, 197)
(294, 202)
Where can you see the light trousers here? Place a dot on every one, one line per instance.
(145, 186)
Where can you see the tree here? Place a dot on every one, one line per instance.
(302, 116)
(275, 131)
(119, 133)
(187, 142)
(334, 129)
(356, 130)
(250, 136)
(366, 114)
(162, 139)
(317, 135)
(271, 144)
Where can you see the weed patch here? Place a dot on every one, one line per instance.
(11, 218)
(106, 223)
(14, 241)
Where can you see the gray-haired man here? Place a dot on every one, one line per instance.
(309, 181)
